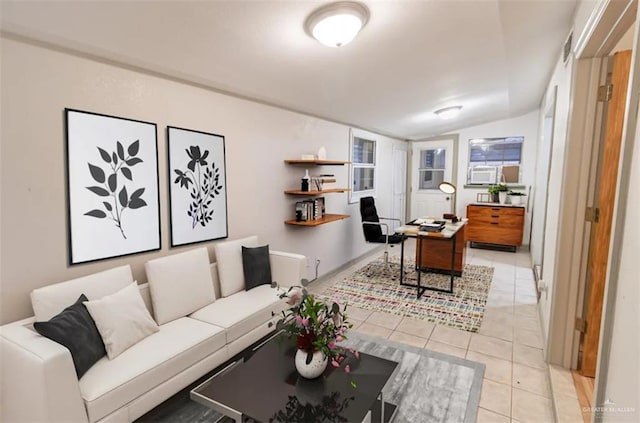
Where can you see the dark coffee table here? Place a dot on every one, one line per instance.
(264, 386)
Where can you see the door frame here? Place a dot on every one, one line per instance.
(601, 30)
(406, 150)
(608, 148)
(549, 111)
(618, 223)
(454, 164)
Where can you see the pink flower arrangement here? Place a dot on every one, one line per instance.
(316, 326)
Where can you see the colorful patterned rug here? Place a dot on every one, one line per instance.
(376, 287)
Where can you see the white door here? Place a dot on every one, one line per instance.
(432, 163)
(540, 194)
(399, 196)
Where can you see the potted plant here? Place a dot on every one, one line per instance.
(317, 328)
(499, 193)
(516, 197)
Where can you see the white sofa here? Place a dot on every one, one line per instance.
(39, 382)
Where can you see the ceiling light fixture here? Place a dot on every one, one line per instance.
(448, 112)
(337, 24)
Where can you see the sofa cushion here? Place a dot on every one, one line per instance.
(122, 319)
(110, 384)
(180, 284)
(229, 259)
(75, 329)
(256, 266)
(51, 300)
(242, 312)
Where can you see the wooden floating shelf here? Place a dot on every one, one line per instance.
(327, 218)
(324, 191)
(316, 162)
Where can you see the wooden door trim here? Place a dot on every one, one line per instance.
(605, 202)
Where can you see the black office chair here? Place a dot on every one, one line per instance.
(372, 227)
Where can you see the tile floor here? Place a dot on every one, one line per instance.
(516, 386)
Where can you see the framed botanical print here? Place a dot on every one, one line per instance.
(198, 186)
(112, 186)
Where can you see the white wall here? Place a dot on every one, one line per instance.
(562, 79)
(38, 83)
(525, 125)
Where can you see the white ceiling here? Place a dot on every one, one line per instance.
(493, 57)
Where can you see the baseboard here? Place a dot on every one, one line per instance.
(348, 264)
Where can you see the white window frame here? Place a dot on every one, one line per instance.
(421, 169)
(354, 196)
(498, 166)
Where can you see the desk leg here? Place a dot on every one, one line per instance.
(453, 261)
(419, 265)
(402, 258)
(419, 246)
(418, 269)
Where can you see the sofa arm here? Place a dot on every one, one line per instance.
(39, 382)
(287, 269)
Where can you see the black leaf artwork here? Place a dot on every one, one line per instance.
(133, 148)
(96, 213)
(120, 200)
(127, 173)
(113, 182)
(97, 173)
(105, 156)
(124, 198)
(99, 191)
(203, 189)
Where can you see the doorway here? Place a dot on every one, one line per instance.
(539, 204)
(399, 194)
(601, 213)
(433, 161)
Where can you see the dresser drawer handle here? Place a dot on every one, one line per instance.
(495, 209)
(493, 215)
(494, 223)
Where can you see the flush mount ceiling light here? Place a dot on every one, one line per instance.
(337, 24)
(448, 112)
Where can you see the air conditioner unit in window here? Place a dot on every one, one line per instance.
(483, 175)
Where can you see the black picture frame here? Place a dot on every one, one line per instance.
(113, 199)
(197, 186)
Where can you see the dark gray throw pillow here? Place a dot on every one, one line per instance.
(75, 329)
(256, 266)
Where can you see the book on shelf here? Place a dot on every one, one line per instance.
(310, 209)
(324, 181)
(316, 183)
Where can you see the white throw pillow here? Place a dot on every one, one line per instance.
(180, 284)
(51, 300)
(122, 319)
(229, 259)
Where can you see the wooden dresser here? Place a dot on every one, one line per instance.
(495, 224)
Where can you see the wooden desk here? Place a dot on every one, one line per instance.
(442, 252)
(436, 255)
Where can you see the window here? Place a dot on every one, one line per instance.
(497, 158)
(432, 167)
(363, 165)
